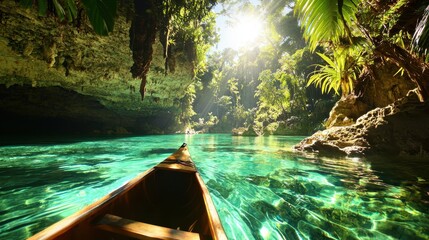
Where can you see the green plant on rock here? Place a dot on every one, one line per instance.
(339, 75)
(333, 23)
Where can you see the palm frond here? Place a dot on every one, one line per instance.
(325, 20)
(59, 10)
(338, 75)
(101, 14)
(43, 7)
(420, 42)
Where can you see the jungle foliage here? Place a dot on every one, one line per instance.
(344, 37)
(382, 31)
(310, 44)
(263, 88)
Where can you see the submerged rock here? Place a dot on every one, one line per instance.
(400, 128)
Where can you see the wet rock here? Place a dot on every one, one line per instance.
(397, 129)
(346, 217)
(290, 212)
(258, 180)
(250, 131)
(238, 131)
(346, 111)
(392, 228)
(289, 232)
(266, 182)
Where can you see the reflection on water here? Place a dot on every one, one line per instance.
(261, 189)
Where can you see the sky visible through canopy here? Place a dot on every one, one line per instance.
(239, 29)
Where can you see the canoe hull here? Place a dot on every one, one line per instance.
(167, 195)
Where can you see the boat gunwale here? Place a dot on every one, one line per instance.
(64, 225)
(69, 222)
(216, 230)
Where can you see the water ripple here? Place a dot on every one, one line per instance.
(262, 189)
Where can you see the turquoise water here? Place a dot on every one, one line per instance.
(262, 190)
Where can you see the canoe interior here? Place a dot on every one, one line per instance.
(172, 199)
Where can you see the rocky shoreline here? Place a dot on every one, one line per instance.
(399, 129)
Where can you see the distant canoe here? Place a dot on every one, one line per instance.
(168, 201)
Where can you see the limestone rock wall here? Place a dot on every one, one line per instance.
(42, 52)
(399, 129)
(378, 87)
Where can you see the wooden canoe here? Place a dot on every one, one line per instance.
(168, 201)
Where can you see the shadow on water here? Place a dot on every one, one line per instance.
(39, 199)
(38, 140)
(159, 151)
(16, 177)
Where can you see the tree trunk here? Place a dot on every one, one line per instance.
(142, 36)
(416, 69)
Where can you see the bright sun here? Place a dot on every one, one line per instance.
(245, 32)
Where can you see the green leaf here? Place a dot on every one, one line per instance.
(101, 14)
(71, 10)
(26, 3)
(327, 59)
(420, 42)
(59, 10)
(325, 20)
(43, 7)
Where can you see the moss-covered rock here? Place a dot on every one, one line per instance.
(43, 52)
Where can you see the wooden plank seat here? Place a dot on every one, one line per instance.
(141, 230)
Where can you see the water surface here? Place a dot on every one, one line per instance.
(262, 190)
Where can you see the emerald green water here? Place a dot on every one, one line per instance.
(262, 190)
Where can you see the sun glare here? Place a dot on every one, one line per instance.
(245, 32)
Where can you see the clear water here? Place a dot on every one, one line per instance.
(262, 190)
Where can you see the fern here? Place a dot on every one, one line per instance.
(338, 75)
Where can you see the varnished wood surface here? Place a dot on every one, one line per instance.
(179, 161)
(55, 230)
(215, 223)
(141, 230)
(171, 195)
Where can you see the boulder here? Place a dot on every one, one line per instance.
(399, 129)
(346, 111)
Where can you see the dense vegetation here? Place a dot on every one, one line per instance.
(263, 88)
(334, 45)
(347, 42)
